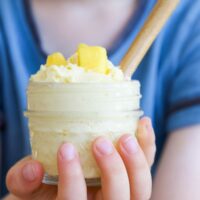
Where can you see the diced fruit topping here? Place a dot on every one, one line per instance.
(93, 58)
(56, 59)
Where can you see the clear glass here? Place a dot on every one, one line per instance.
(78, 113)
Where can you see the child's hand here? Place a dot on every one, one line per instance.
(130, 178)
(124, 175)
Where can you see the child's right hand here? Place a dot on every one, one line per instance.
(124, 175)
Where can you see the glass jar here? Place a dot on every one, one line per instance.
(78, 113)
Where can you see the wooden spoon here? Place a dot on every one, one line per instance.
(156, 20)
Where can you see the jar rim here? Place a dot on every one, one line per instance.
(84, 115)
(76, 83)
(35, 87)
(115, 83)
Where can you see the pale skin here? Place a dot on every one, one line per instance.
(63, 24)
(178, 174)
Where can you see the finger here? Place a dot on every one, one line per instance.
(146, 139)
(137, 167)
(114, 177)
(25, 177)
(71, 183)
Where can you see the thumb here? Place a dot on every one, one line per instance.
(24, 177)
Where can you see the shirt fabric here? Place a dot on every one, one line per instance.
(169, 74)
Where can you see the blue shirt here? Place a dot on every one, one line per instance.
(169, 74)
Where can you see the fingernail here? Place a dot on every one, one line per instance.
(149, 126)
(29, 172)
(142, 131)
(67, 152)
(103, 146)
(130, 145)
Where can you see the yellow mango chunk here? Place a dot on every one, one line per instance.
(92, 58)
(56, 59)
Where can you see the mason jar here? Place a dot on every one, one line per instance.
(78, 113)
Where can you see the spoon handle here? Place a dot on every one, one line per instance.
(156, 20)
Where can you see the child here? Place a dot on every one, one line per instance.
(169, 75)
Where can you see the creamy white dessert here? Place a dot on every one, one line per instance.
(72, 73)
(77, 100)
(78, 114)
